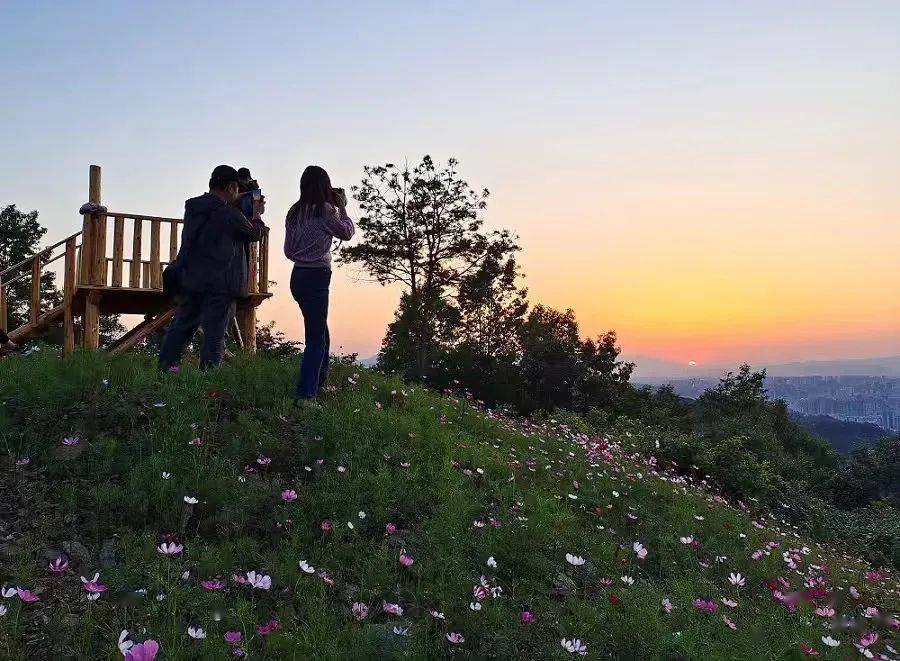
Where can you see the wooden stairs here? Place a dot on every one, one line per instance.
(94, 282)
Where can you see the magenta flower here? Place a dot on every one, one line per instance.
(213, 584)
(233, 637)
(393, 609)
(59, 565)
(174, 369)
(71, 440)
(267, 628)
(93, 585)
(706, 605)
(24, 461)
(527, 617)
(455, 638)
(325, 525)
(145, 651)
(868, 639)
(406, 560)
(390, 528)
(27, 595)
(359, 610)
(196, 441)
(289, 495)
(263, 461)
(239, 579)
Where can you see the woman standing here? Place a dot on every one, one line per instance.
(318, 217)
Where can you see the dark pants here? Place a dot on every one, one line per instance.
(310, 290)
(212, 313)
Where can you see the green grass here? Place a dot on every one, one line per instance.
(104, 503)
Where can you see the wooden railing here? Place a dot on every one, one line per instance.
(89, 270)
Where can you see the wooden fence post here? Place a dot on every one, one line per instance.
(93, 256)
(68, 296)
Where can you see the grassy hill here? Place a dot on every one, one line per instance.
(395, 523)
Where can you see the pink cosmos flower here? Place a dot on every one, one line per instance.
(59, 565)
(196, 441)
(267, 628)
(808, 650)
(868, 639)
(171, 548)
(24, 461)
(479, 592)
(263, 461)
(706, 605)
(214, 583)
(874, 575)
(455, 638)
(27, 595)
(93, 585)
(731, 625)
(639, 550)
(393, 609)
(71, 440)
(325, 577)
(667, 605)
(325, 525)
(730, 603)
(527, 617)
(233, 637)
(289, 495)
(237, 578)
(359, 610)
(174, 369)
(145, 651)
(406, 560)
(259, 581)
(390, 528)
(826, 611)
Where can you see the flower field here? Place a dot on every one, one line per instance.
(201, 516)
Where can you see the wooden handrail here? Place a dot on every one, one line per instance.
(27, 260)
(141, 216)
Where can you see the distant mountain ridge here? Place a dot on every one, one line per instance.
(654, 368)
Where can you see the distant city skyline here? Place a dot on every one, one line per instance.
(717, 182)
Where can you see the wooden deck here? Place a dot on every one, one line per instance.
(94, 279)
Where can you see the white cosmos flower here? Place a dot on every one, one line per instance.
(190, 500)
(475, 605)
(574, 560)
(831, 642)
(166, 475)
(574, 646)
(93, 596)
(492, 563)
(306, 567)
(627, 580)
(196, 632)
(736, 579)
(8, 592)
(686, 540)
(401, 631)
(3, 610)
(362, 515)
(259, 581)
(124, 643)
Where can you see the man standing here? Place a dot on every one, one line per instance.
(214, 257)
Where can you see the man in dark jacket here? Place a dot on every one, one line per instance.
(214, 255)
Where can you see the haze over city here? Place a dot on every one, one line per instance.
(715, 183)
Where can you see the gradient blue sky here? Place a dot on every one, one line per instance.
(715, 182)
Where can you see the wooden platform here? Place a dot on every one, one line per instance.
(95, 283)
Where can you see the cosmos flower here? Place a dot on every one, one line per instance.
(455, 638)
(526, 617)
(59, 565)
(831, 642)
(667, 605)
(213, 584)
(639, 550)
(145, 651)
(574, 560)
(390, 528)
(627, 580)
(71, 440)
(289, 495)
(359, 610)
(93, 585)
(393, 609)
(736, 579)
(406, 560)
(171, 548)
(574, 646)
(269, 627)
(28, 596)
(233, 637)
(190, 500)
(306, 567)
(706, 605)
(124, 643)
(259, 581)
(491, 562)
(196, 632)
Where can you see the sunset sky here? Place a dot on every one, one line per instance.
(715, 181)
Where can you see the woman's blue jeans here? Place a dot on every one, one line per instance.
(309, 287)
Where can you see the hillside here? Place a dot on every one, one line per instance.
(395, 523)
(844, 436)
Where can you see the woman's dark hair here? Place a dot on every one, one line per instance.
(315, 192)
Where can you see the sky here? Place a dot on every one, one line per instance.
(717, 182)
